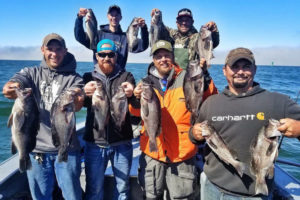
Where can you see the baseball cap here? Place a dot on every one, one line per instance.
(54, 36)
(184, 12)
(161, 44)
(239, 53)
(116, 8)
(106, 41)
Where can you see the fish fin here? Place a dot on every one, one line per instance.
(270, 149)
(240, 168)
(152, 145)
(261, 186)
(55, 136)
(69, 117)
(10, 120)
(19, 120)
(24, 164)
(13, 148)
(62, 155)
(271, 172)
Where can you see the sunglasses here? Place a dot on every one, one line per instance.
(110, 54)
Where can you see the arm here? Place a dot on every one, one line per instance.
(143, 43)
(290, 127)
(137, 93)
(212, 26)
(80, 34)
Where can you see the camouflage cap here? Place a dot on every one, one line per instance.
(184, 12)
(239, 53)
(161, 44)
(54, 36)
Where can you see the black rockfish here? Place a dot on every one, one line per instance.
(100, 106)
(132, 34)
(217, 145)
(63, 122)
(193, 88)
(91, 26)
(24, 123)
(151, 115)
(205, 44)
(119, 107)
(264, 151)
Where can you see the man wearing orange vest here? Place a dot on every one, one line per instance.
(172, 167)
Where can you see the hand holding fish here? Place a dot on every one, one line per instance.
(197, 132)
(9, 90)
(289, 127)
(212, 26)
(128, 89)
(90, 88)
(82, 12)
(153, 11)
(141, 22)
(203, 65)
(138, 91)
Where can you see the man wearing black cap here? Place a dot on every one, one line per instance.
(237, 115)
(113, 32)
(185, 37)
(56, 73)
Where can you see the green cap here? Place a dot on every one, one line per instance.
(161, 44)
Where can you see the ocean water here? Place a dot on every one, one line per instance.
(283, 79)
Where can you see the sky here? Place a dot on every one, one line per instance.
(270, 28)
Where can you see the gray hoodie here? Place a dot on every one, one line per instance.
(47, 84)
(238, 119)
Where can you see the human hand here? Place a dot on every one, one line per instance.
(138, 91)
(141, 22)
(82, 12)
(128, 88)
(197, 132)
(9, 90)
(203, 65)
(212, 26)
(153, 11)
(289, 127)
(90, 88)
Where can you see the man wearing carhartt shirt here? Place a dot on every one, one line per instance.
(237, 115)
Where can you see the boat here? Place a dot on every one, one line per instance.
(14, 185)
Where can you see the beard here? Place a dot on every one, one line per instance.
(240, 85)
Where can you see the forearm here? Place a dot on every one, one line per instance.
(80, 34)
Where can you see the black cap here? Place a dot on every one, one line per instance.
(185, 12)
(114, 7)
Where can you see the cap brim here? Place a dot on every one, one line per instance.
(184, 15)
(234, 60)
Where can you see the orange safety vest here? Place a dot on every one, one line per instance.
(173, 142)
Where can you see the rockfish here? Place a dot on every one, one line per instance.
(217, 145)
(91, 26)
(63, 122)
(264, 151)
(24, 123)
(205, 45)
(132, 34)
(119, 107)
(100, 106)
(151, 115)
(193, 86)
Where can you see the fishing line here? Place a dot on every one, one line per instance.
(283, 135)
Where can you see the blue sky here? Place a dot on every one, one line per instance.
(271, 28)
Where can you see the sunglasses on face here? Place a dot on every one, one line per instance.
(110, 54)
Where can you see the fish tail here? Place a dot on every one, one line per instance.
(24, 164)
(261, 186)
(62, 156)
(153, 145)
(240, 168)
